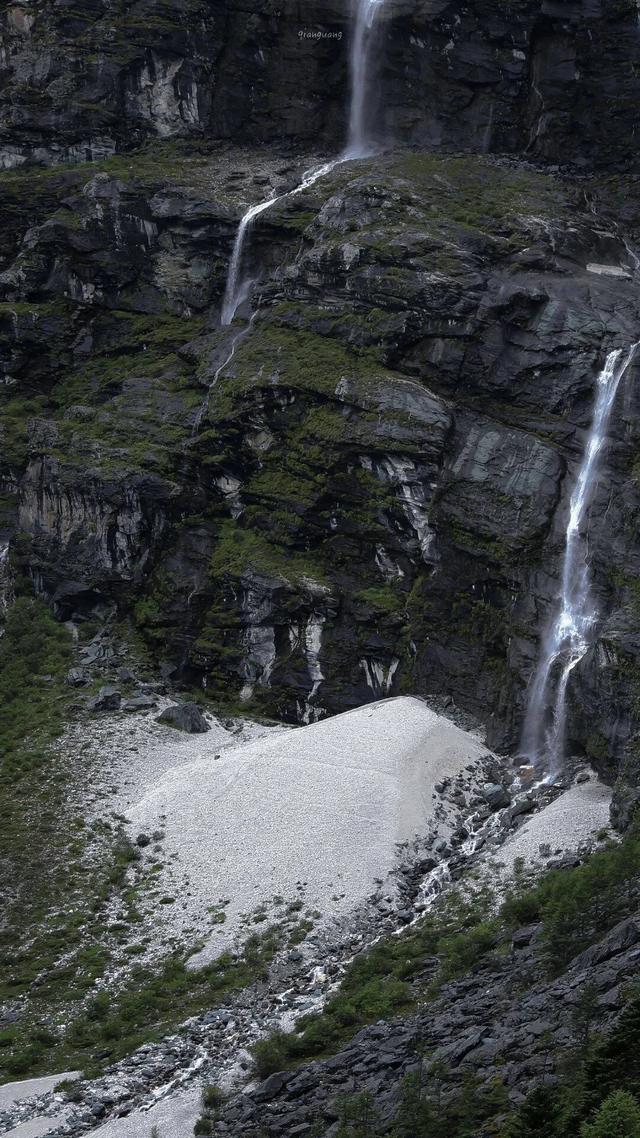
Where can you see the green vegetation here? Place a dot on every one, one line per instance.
(154, 1001)
(460, 191)
(437, 1103)
(70, 889)
(384, 599)
(212, 1099)
(294, 358)
(238, 550)
(618, 1117)
(383, 981)
(34, 653)
(598, 1095)
(574, 906)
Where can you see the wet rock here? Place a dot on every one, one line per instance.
(495, 796)
(522, 806)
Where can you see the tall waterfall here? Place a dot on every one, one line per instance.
(568, 636)
(359, 141)
(359, 145)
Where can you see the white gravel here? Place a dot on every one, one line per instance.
(312, 813)
(37, 1127)
(173, 1117)
(564, 825)
(11, 1093)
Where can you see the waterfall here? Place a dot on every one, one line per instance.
(568, 637)
(359, 145)
(238, 286)
(204, 406)
(5, 578)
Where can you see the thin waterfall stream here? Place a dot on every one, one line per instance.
(359, 145)
(569, 635)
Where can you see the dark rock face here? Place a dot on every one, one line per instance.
(530, 77)
(366, 492)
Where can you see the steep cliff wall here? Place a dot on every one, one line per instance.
(555, 81)
(372, 497)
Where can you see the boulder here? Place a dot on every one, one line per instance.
(107, 699)
(184, 717)
(139, 703)
(78, 677)
(522, 805)
(495, 796)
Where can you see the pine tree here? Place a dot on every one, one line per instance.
(618, 1117)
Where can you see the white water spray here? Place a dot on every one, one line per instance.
(569, 635)
(6, 595)
(359, 145)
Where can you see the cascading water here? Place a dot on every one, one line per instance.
(238, 286)
(359, 145)
(359, 142)
(569, 635)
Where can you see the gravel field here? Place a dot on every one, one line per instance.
(321, 814)
(27, 1088)
(311, 814)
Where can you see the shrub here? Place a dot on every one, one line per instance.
(271, 1054)
(212, 1097)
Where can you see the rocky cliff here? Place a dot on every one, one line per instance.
(364, 488)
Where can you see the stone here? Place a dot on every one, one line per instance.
(522, 937)
(184, 717)
(523, 805)
(495, 796)
(107, 699)
(78, 677)
(139, 703)
(272, 1085)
